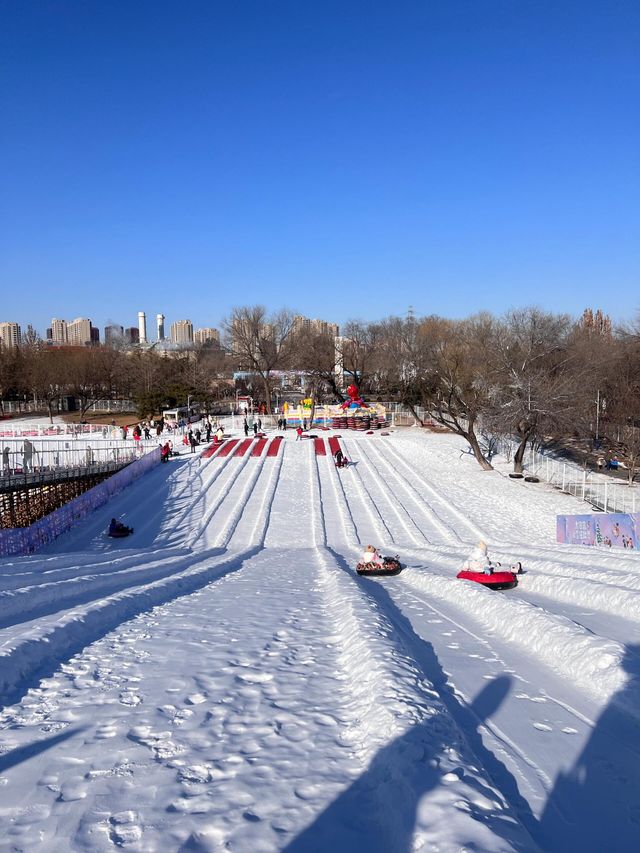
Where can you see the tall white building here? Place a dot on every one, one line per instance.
(142, 326)
(79, 332)
(160, 326)
(182, 332)
(58, 331)
(10, 335)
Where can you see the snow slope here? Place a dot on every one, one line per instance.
(224, 680)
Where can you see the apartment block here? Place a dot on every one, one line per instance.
(182, 332)
(10, 335)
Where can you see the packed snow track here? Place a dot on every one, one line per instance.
(224, 680)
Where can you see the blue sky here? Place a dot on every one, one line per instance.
(344, 160)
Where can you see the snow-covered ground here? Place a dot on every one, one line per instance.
(224, 680)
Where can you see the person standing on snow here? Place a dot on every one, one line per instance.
(298, 433)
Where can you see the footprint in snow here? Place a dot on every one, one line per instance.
(543, 727)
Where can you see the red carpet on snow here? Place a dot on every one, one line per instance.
(227, 447)
(321, 450)
(242, 448)
(274, 447)
(334, 445)
(216, 445)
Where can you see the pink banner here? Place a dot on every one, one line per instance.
(605, 530)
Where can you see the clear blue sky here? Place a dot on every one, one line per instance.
(342, 159)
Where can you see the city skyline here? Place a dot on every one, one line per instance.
(342, 160)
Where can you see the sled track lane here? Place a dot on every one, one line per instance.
(355, 492)
(236, 501)
(369, 627)
(397, 486)
(443, 509)
(260, 507)
(390, 505)
(224, 479)
(331, 485)
(30, 658)
(588, 661)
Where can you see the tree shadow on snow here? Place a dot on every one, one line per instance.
(596, 805)
(30, 750)
(377, 813)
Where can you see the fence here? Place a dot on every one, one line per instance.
(26, 540)
(599, 490)
(53, 455)
(31, 430)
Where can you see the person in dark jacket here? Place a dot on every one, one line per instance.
(192, 441)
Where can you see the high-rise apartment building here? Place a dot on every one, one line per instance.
(182, 332)
(316, 327)
(79, 332)
(203, 336)
(160, 326)
(132, 335)
(58, 332)
(10, 335)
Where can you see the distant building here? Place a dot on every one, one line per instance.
(79, 332)
(10, 335)
(58, 331)
(317, 327)
(113, 334)
(142, 327)
(160, 325)
(203, 336)
(95, 335)
(182, 332)
(132, 335)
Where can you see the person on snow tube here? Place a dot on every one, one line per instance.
(371, 555)
(478, 560)
(339, 456)
(117, 528)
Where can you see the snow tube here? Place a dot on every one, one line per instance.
(120, 534)
(497, 580)
(389, 567)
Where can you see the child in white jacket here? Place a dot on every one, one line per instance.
(478, 560)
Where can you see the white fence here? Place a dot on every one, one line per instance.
(599, 490)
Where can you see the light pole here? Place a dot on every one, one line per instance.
(597, 415)
(189, 408)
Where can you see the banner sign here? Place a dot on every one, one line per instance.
(605, 530)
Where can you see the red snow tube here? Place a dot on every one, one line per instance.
(389, 567)
(498, 580)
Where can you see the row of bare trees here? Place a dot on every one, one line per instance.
(88, 374)
(529, 374)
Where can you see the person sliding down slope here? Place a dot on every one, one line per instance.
(478, 560)
(371, 555)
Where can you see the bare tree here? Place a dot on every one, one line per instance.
(261, 344)
(357, 352)
(47, 375)
(533, 381)
(452, 374)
